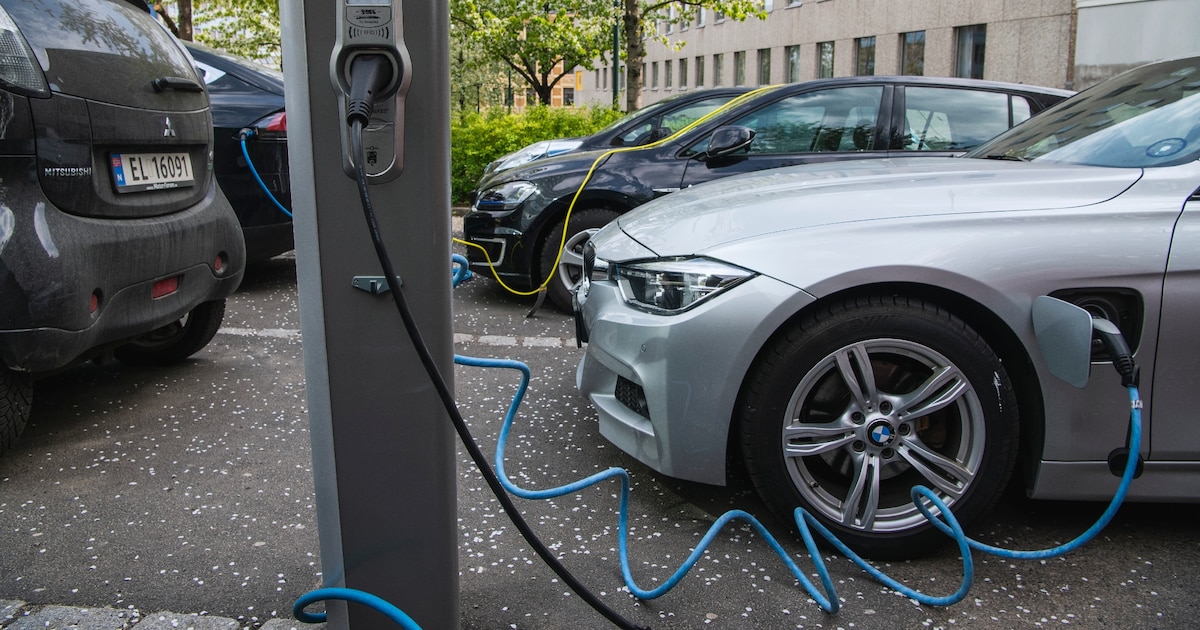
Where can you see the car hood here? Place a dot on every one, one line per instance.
(736, 208)
(552, 168)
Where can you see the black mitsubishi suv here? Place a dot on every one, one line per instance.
(113, 236)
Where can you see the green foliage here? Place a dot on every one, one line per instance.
(541, 40)
(476, 139)
(246, 28)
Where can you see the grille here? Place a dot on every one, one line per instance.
(633, 396)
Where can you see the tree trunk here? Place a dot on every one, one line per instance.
(185, 20)
(635, 54)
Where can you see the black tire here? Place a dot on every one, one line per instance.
(892, 391)
(176, 341)
(567, 272)
(16, 401)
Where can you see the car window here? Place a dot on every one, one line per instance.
(837, 119)
(662, 126)
(952, 119)
(685, 116)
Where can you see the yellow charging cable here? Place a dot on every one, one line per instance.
(596, 164)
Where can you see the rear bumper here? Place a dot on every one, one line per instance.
(53, 263)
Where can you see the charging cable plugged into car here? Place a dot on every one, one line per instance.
(368, 76)
(249, 133)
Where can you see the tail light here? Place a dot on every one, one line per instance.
(18, 69)
(274, 125)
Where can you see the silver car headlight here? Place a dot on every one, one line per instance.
(505, 197)
(674, 285)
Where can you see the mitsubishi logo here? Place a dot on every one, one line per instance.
(168, 130)
(882, 434)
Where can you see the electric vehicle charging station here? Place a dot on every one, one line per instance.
(383, 451)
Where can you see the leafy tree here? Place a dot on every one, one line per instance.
(643, 17)
(247, 28)
(541, 40)
(476, 81)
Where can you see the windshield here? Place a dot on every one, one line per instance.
(649, 109)
(1146, 117)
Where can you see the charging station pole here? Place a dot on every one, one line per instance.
(384, 460)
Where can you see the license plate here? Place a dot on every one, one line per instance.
(135, 172)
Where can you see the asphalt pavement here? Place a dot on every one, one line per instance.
(182, 497)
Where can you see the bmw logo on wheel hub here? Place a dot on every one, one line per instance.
(882, 434)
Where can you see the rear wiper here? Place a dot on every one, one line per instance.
(1006, 156)
(183, 84)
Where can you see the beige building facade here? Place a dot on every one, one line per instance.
(1021, 41)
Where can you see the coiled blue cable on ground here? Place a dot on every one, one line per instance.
(461, 269)
(253, 171)
(922, 497)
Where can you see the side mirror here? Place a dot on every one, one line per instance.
(726, 141)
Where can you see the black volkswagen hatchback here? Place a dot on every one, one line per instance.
(113, 235)
(518, 219)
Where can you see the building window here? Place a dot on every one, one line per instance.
(825, 60)
(568, 97)
(654, 75)
(602, 79)
(699, 71)
(795, 3)
(764, 66)
(791, 70)
(718, 17)
(912, 53)
(623, 73)
(970, 44)
(683, 73)
(700, 15)
(718, 62)
(864, 56)
(667, 67)
(739, 67)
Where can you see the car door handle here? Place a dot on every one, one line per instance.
(183, 84)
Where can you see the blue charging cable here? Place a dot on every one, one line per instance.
(922, 497)
(242, 136)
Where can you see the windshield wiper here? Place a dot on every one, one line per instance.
(1006, 156)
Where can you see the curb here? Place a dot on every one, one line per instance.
(17, 615)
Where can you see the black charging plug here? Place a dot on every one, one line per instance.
(369, 75)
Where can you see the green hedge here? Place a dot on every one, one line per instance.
(476, 139)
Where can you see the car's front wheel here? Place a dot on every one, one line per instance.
(16, 401)
(568, 268)
(175, 341)
(859, 402)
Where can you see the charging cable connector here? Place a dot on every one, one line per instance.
(370, 74)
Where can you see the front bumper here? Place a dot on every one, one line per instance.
(508, 254)
(665, 387)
